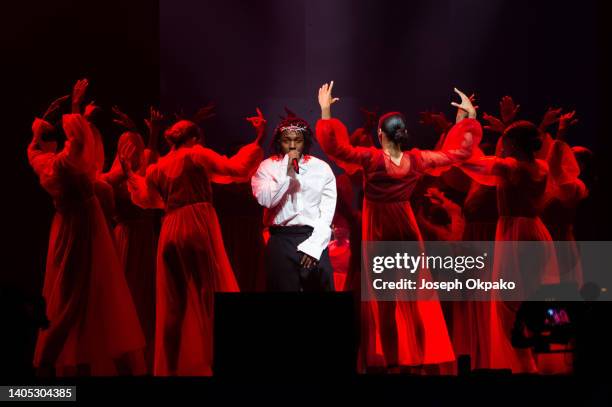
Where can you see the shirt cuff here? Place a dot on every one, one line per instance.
(317, 242)
(310, 249)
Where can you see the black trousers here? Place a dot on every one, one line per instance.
(283, 269)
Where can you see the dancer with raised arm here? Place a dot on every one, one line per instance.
(136, 230)
(521, 180)
(94, 328)
(191, 260)
(397, 333)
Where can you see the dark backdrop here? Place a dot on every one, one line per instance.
(46, 46)
(396, 55)
(404, 55)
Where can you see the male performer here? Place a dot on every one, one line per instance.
(298, 192)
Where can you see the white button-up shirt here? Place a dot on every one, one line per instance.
(304, 199)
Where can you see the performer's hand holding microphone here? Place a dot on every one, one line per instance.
(293, 164)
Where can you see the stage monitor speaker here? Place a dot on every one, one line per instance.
(285, 334)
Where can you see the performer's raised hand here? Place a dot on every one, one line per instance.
(90, 110)
(370, 118)
(566, 121)
(155, 124)
(438, 121)
(123, 120)
(508, 109)
(495, 125)
(126, 152)
(466, 107)
(203, 114)
(551, 116)
(78, 94)
(155, 120)
(259, 123)
(326, 99)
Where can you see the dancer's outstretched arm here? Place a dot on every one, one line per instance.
(332, 134)
(241, 166)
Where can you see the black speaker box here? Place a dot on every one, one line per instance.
(285, 334)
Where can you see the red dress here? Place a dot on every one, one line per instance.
(345, 247)
(564, 194)
(398, 332)
(191, 260)
(521, 192)
(93, 319)
(470, 328)
(135, 233)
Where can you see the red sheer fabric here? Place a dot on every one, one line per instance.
(93, 319)
(398, 332)
(470, 319)
(240, 220)
(480, 213)
(135, 233)
(360, 137)
(564, 194)
(521, 194)
(344, 249)
(340, 253)
(191, 260)
(98, 149)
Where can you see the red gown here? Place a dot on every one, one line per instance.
(345, 247)
(135, 233)
(564, 195)
(470, 327)
(93, 319)
(521, 192)
(191, 260)
(398, 332)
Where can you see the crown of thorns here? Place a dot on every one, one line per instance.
(293, 127)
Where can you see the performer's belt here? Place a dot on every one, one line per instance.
(291, 230)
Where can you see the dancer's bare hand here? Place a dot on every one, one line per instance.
(436, 120)
(78, 94)
(326, 99)
(508, 109)
(466, 107)
(495, 125)
(567, 120)
(370, 118)
(259, 123)
(551, 116)
(126, 152)
(123, 120)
